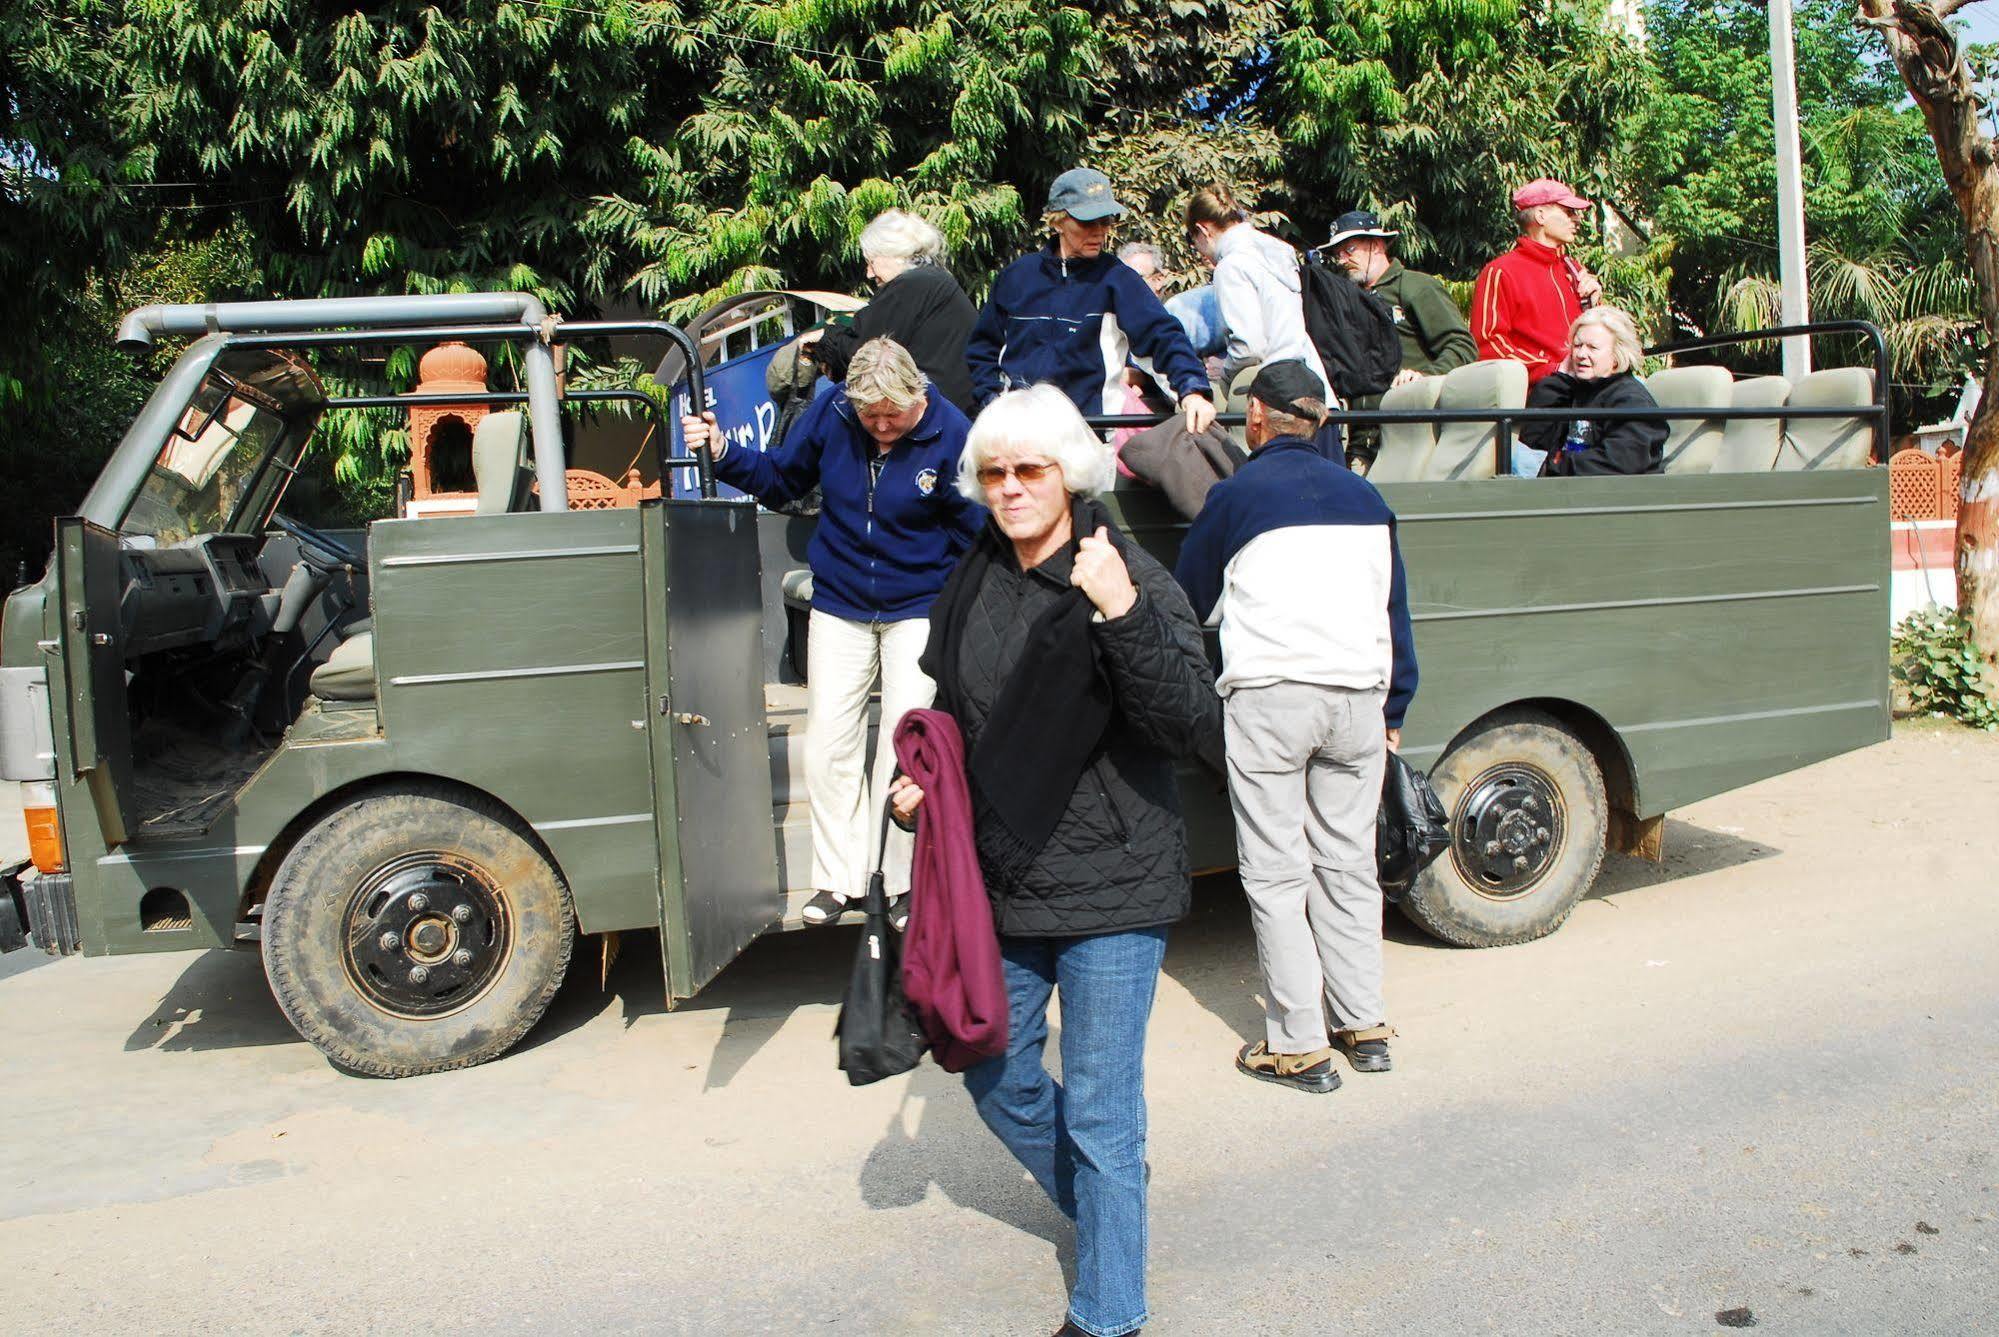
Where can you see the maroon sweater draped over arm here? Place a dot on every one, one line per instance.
(950, 954)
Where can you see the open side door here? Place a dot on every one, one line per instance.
(93, 659)
(710, 738)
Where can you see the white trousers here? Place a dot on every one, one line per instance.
(843, 660)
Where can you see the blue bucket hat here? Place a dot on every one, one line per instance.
(1084, 194)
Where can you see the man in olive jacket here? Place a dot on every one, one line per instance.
(1435, 338)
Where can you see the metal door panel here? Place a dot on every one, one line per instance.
(100, 732)
(710, 741)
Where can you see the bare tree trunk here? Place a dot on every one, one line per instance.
(1925, 53)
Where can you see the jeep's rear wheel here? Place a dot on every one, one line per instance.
(1528, 821)
(415, 932)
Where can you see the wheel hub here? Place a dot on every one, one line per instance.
(426, 935)
(1508, 830)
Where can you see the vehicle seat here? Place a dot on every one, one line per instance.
(499, 462)
(1406, 446)
(349, 672)
(1464, 449)
(1829, 443)
(1692, 443)
(1235, 399)
(1749, 445)
(500, 469)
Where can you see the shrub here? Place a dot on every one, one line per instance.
(1941, 669)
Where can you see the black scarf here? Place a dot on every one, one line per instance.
(1049, 718)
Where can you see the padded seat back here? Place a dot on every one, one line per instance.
(499, 462)
(1749, 445)
(1464, 449)
(1235, 399)
(1829, 443)
(349, 672)
(1406, 446)
(1692, 443)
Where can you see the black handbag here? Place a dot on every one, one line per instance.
(1411, 829)
(877, 1037)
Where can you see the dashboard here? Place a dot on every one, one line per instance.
(209, 590)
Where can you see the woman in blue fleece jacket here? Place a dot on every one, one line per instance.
(884, 451)
(1071, 315)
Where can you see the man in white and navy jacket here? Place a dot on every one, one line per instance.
(1295, 558)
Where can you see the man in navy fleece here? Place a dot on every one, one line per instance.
(1295, 558)
(1073, 315)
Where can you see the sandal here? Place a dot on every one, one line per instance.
(1312, 1072)
(1367, 1047)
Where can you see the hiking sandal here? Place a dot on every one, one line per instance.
(1367, 1048)
(1311, 1072)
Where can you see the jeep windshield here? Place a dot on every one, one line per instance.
(211, 462)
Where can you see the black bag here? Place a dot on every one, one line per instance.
(1353, 329)
(1411, 829)
(877, 1037)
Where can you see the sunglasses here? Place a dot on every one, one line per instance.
(992, 475)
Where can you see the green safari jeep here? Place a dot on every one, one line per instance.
(410, 764)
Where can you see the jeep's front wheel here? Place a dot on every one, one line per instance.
(415, 932)
(1528, 822)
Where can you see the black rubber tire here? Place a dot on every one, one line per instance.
(1444, 901)
(304, 925)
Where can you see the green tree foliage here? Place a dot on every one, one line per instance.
(1885, 243)
(661, 153)
(1431, 112)
(66, 174)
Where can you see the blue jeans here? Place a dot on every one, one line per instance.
(1082, 1139)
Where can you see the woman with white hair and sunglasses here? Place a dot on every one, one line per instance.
(884, 452)
(917, 303)
(1074, 668)
(1601, 371)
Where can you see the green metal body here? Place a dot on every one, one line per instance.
(1700, 632)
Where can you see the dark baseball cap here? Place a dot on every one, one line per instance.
(1280, 385)
(1084, 194)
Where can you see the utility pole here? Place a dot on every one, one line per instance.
(1796, 307)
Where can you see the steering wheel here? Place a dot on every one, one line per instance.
(324, 545)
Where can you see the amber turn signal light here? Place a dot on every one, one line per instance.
(38, 810)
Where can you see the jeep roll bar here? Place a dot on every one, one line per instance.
(540, 337)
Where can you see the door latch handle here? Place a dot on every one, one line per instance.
(688, 717)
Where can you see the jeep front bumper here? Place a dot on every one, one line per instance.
(39, 908)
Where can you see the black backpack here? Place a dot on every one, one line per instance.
(1352, 328)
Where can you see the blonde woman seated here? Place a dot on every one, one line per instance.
(1599, 373)
(884, 451)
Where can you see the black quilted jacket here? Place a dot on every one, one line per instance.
(1118, 857)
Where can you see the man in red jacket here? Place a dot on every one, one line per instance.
(1526, 300)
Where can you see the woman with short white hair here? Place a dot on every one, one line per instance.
(1074, 668)
(1601, 372)
(884, 451)
(919, 305)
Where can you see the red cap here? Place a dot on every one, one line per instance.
(1547, 190)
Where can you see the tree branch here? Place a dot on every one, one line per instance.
(1946, 8)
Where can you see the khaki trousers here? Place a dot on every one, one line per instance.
(1305, 767)
(846, 792)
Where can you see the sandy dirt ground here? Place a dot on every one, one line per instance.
(1762, 1076)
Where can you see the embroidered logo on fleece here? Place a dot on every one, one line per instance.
(926, 481)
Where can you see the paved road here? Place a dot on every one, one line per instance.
(1763, 1076)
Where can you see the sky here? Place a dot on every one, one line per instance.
(1981, 21)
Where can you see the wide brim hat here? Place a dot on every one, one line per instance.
(1358, 223)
